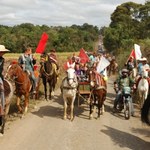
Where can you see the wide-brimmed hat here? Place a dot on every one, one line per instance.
(3, 49)
(143, 59)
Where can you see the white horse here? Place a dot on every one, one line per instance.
(69, 89)
(143, 88)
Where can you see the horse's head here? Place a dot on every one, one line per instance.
(96, 79)
(13, 71)
(144, 73)
(43, 58)
(92, 77)
(71, 76)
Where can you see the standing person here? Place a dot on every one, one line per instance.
(3, 50)
(27, 62)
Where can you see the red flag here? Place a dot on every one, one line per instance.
(65, 65)
(83, 56)
(132, 54)
(42, 43)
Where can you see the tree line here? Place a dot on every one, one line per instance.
(130, 24)
(63, 39)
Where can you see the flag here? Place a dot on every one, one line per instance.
(42, 43)
(137, 50)
(65, 66)
(103, 63)
(83, 56)
(132, 54)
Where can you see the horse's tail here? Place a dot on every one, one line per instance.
(145, 111)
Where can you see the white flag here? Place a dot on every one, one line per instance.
(138, 53)
(103, 63)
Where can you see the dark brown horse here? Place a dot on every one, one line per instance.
(22, 84)
(99, 91)
(8, 92)
(48, 75)
(145, 111)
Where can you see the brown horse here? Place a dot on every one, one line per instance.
(22, 84)
(48, 75)
(99, 91)
(112, 68)
(8, 92)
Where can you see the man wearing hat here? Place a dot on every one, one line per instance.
(53, 59)
(143, 66)
(3, 50)
(123, 81)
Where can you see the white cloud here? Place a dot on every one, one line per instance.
(59, 12)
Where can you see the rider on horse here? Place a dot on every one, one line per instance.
(53, 59)
(123, 81)
(27, 62)
(143, 66)
(3, 50)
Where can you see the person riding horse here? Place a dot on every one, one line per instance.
(143, 66)
(27, 61)
(53, 60)
(3, 50)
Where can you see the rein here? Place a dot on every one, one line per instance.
(47, 74)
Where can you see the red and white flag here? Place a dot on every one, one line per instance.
(42, 43)
(103, 63)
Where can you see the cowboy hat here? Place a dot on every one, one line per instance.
(3, 49)
(143, 59)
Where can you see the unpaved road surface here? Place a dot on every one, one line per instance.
(44, 129)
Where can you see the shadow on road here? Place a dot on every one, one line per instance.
(126, 140)
(49, 111)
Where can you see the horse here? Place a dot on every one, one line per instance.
(113, 67)
(145, 111)
(48, 75)
(99, 91)
(8, 92)
(69, 89)
(22, 84)
(143, 87)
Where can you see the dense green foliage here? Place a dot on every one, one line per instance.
(63, 39)
(130, 24)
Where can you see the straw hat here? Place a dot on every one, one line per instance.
(3, 49)
(143, 59)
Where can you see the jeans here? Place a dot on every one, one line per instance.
(34, 80)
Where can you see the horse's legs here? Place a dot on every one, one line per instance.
(91, 109)
(18, 104)
(3, 120)
(26, 103)
(50, 91)
(72, 108)
(65, 108)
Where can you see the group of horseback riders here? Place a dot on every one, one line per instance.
(28, 63)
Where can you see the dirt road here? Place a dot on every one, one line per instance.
(44, 129)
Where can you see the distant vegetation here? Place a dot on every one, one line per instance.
(130, 24)
(63, 39)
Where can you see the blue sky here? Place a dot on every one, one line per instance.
(59, 12)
